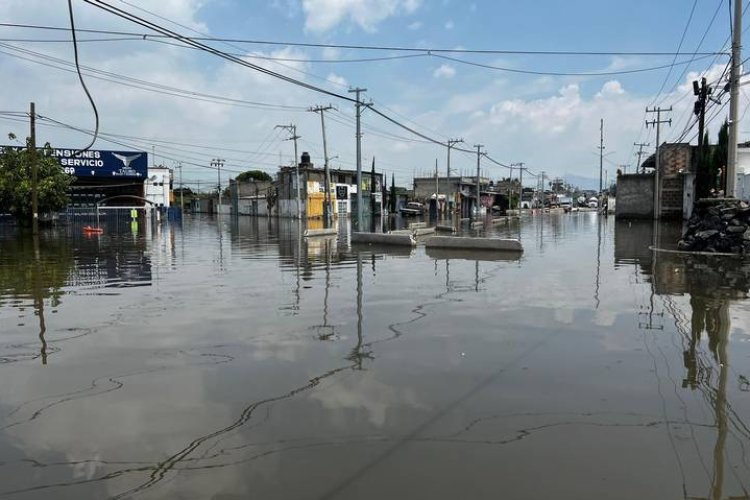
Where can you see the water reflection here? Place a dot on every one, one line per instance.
(712, 284)
(263, 364)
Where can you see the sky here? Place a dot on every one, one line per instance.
(185, 106)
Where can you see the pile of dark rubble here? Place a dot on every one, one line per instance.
(718, 227)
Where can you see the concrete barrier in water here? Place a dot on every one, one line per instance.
(445, 228)
(331, 231)
(423, 230)
(417, 225)
(384, 239)
(465, 243)
(478, 224)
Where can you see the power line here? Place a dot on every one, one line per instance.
(392, 48)
(83, 83)
(562, 73)
(146, 85)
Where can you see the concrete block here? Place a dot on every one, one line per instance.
(445, 228)
(383, 239)
(417, 225)
(331, 231)
(424, 230)
(508, 245)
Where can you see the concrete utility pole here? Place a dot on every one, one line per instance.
(34, 171)
(327, 212)
(734, 100)
(292, 128)
(510, 189)
(657, 123)
(218, 163)
(640, 145)
(437, 190)
(450, 144)
(479, 156)
(358, 106)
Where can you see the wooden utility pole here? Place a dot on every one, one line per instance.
(34, 171)
(327, 211)
(702, 175)
(657, 123)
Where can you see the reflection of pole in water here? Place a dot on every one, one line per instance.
(476, 275)
(598, 260)
(39, 301)
(717, 480)
(297, 264)
(357, 352)
(447, 274)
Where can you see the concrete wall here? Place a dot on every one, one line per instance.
(252, 206)
(635, 196)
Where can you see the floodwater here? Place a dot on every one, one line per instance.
(233, 359)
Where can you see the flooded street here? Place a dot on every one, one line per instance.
(239, 360)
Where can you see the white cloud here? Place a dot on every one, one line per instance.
(415, 25)
(337, 80)
(612, 88)
(324, 15)
(449, 25)
(444, 71)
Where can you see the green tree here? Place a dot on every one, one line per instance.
(251, 175)
(15, 182)
(719, 157)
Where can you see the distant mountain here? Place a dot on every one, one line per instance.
(583, 182)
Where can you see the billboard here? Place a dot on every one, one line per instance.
(103, 164)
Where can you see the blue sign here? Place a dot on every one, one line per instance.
(106, 164)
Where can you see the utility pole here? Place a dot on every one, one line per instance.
(657, 123)
(640, 145)
(510, 186)
(358, 107)
(327, 212)
(734, 100)
(601, 154)
(182, 189)
(34, 171)
(218, 163)
(702, 175)
(292, 128)
(479, 156)
(437, 190)
(450, 144)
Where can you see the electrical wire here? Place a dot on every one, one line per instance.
(679, 46)
(392, 48)
(140, 84)
(83, 83)
(562, 73)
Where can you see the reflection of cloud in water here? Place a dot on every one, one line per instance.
(605, 317)
(367, 394)
(564, 315)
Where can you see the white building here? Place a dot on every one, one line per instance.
(158, 186)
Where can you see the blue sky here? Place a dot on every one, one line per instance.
(549, 122)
